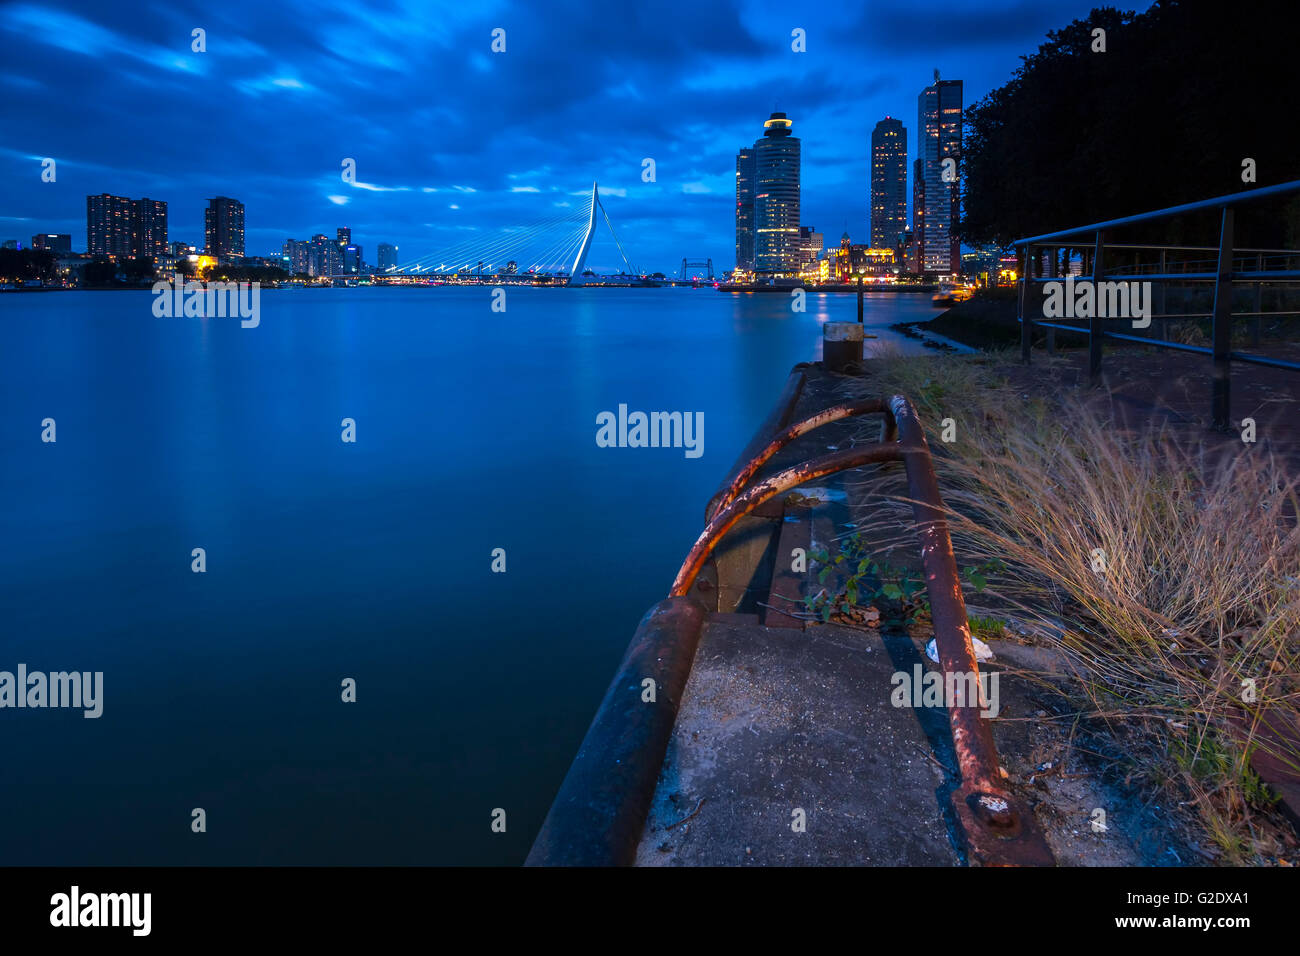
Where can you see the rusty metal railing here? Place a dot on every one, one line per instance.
(599, 813)
(998, 829)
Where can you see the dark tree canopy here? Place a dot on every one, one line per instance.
(1183, 93)
(21, 265)
(238, 273)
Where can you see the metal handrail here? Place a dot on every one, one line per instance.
(1219, 202)
(1223, 277)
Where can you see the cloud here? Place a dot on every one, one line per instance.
(76, 34)
(375, 188)
(271, 84)
(287, 89)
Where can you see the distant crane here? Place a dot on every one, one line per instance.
(689, 264)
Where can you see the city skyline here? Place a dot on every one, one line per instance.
(426, 172)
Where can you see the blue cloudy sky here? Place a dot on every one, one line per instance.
(452, 140)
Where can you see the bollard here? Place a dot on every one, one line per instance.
(841, 345)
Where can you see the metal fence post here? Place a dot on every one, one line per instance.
(1056, 274)
(1222, 328)
(1159, 309)
(1026, 326)
(1095, 327)
(1259, 301)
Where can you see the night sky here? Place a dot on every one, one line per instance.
(449, 136)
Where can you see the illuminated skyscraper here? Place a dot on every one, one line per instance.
(108, 226)
(745, 209)
(888, 183)
(298, 254)
(776, 198)
(148, 228)
(126, 228)
(223, 227)
(387, 257)
(937, 189)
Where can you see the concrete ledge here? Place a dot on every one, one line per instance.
(598, 815)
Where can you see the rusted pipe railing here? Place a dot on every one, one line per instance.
(998, 829)
(800, 474)
(977, 758)
(833, 414)
(777, 420)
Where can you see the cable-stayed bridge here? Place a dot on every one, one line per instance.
(556, 247)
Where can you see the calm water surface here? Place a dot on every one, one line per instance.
(325, 560)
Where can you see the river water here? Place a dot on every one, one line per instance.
(328, 560)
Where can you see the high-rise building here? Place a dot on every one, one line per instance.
(57, 242)
(918, 214)
(323, 256)
(810, 246)
(347, 257)
(223, 228)
(108, 226)
(888, 182)
(298, 254)
(937, 185)
(350, 260)
(148, 228)
(387, 257)
(905, 253)
(126, 228)
(745, 209)
(776, 198)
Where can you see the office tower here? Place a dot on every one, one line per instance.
(350, 259)
(935, 220)
(108, 226)
(347, 257)
(776, 198)
(148, 228)
(223, 228)
(888, 183)
(59, 243)
(387, 257)
(918, 214)
(745, 209)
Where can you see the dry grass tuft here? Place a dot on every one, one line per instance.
(1170, 575)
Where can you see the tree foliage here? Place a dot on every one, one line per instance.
(1182, 94)
(20, 265)
(238, 273)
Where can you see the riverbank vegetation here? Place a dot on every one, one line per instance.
(1167, 570)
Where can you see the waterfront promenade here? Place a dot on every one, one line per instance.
(787, 748)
